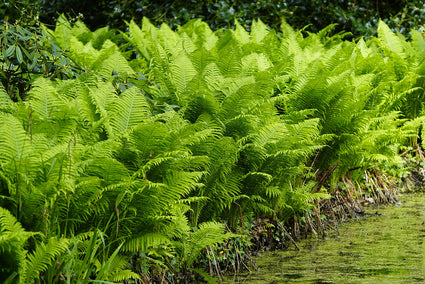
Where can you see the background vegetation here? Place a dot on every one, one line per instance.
(358, 17)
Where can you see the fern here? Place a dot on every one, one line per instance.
(144, 242)
(14, 142)
(42, 257)
(130, 109)
(390, 40)
(113, 268)
(182, 72)
(5, 100)
(208, 234)
(13, 240)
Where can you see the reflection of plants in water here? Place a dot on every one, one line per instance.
(377, 248)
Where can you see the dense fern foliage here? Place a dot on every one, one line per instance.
(135, 166)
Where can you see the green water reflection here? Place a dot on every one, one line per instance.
(379, 249)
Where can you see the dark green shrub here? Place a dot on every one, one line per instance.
(358, 17)
(27, 50)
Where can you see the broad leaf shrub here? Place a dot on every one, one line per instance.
(27, 53)
(134, 167)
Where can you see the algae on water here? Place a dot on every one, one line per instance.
(387, 248)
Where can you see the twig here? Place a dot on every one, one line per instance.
(290, 238)
(215, 265)
(324, 177)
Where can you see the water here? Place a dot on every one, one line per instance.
(378, 249)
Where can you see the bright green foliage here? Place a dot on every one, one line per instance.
(140, 156)
(208, 234)
(12, 240)
(17, 266)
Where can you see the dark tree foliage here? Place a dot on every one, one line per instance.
(27, 52)
(360, 17)
(20, 12)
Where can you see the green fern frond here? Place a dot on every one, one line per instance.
(182, 72)
(208, 234)
(42, 258)
(63, 32)
(15, 145)
(229, 56)
(178, 226)
(123, 275)
(261, 205)
(81, 31)
(418, 44)
(130, 109)
(9, 224)
(240, 34)
(200, 33)
(143, 243)
(390, 40)
(273, 191)
(5, 100)
(201, 59)
(264, 177)
(43, 99)
(188, 43)
(269, 134)
(109, 169)
(181, 183)
(114, 63)
(113, 268)
(258, 31)
(12, 241)
(149, 140)
(255, 62)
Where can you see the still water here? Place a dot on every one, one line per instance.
(377, 249)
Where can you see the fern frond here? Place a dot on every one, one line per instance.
(123, 275)
(180, 183)
(240, 34)
(182, 72)
(14, 141)
(130, 109)
(113, 268)
(43, 98)
(116, 62)
(63, 32)
(208, 234)
(258, 31)
(255, 62)
(5, 100)
(418, 43)
(269, 134)
(390, 40)
(12, 240)
(230, 58)
(42, 258)
(8, 223)
(144, 242)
